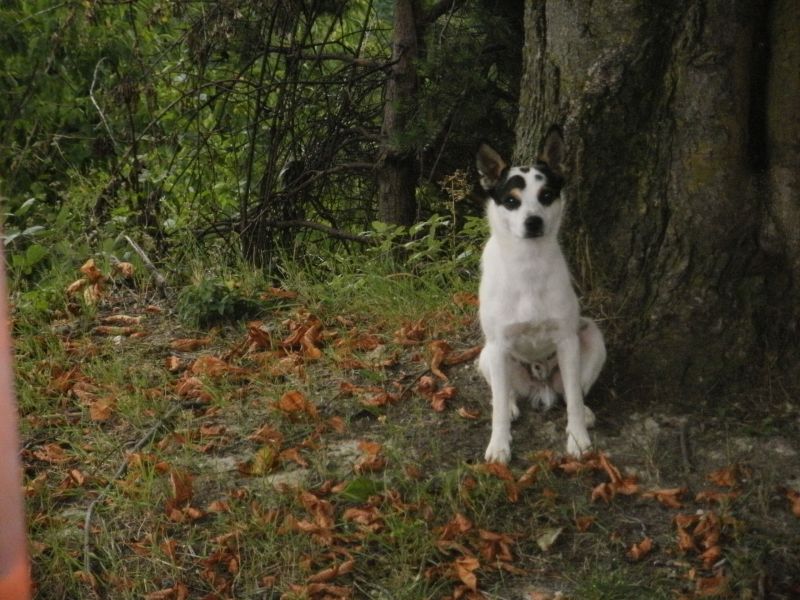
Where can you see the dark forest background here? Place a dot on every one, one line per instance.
(283, 132)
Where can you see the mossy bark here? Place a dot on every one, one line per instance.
(678, 174)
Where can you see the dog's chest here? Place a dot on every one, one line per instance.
(525, 290)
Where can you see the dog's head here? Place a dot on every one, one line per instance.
(524, 202)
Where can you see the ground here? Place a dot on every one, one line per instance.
(321, 453)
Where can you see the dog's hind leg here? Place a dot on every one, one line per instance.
(495, 364)
(593, 353)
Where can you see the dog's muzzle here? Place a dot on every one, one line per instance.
(534, 227)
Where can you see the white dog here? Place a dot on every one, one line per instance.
(537, 344)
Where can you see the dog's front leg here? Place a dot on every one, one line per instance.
(496, 360)
(569, 363)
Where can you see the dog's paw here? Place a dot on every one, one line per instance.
(499, 450)
(588, 416)
(543, 398)
(578, 442)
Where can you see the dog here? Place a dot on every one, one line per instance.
(537, 345)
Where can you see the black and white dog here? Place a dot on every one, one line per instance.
(537, 344)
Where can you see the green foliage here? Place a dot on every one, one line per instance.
(211, 301)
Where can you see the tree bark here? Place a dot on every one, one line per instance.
(683, 168)
(397, 170)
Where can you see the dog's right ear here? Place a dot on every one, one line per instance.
(490, 166)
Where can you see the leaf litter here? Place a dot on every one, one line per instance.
(345, 517)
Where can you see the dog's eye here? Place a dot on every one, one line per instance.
(547, 197)
(511, 203)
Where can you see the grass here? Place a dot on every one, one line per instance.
(275, 517)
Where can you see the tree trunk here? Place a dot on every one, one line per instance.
(681, 124)
(397, 172)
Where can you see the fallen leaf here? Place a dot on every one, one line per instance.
(465, 568)
(121, 320)
(669, 497)
(583, 523)
(716, 497)
(456, 358)
(711, 556)
(125, 269)
(604, 492)
(709, 587)
(439, 349)
(463, 299)
(101, 410)
(640, 550)
(189, 344)
(439, 399)
(333, 572)
(547, 538)
(294, 402)
(113, 330)
(90, 270)
(725, 477)
(466, 413)
(410, 334)
(173, 364)
(77, 286)
(273, 292)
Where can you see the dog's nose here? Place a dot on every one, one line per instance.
(534, 226)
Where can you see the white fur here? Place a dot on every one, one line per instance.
(536, 342)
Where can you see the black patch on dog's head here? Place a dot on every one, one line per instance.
(553, 182)
(503, 190)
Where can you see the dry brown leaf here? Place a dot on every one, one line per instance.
(725, 477)
(113, 330)
(410, 334)
(456, 358)
(456, 527)
(583, 523)
(125, 269)
(101, 410)
(713, 497)
(77, 286)
(710, 587)
(498, 470)
(463, 299)
(173, 364)
(439, 350)
(466, 413)
(51, 453)
(711, 556)
(121, 320)
(90, 270)
(465, 568)
(273, 292)
(189, 344)
(294, 402)
(604, 492)
(439, 399)
(640, 550)
(669, 497)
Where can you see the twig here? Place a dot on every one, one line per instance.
(412, 383)
(87, 523)
(97, 106)
(161, 283)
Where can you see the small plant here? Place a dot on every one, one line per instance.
(211, 301)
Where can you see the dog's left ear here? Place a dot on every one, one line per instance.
(552, 151)
(490, 166)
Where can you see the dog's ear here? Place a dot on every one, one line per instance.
(490, 166)
(552, 152)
